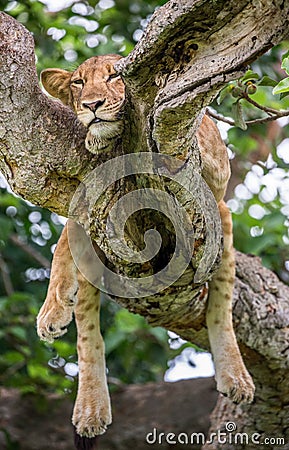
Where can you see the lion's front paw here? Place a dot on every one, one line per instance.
(56, 312)
(92, 415)
(237, 384)
(53, 324)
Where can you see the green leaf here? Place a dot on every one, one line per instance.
(28, 389)
(64, 349)
(250, 75)
(237, 113)
(274, 221)
(223, 94)
(259, 244)
(113, 339)
(267, 81)
(18, 332)
(282, 86)
(284, 94)
(37, 371)
(128, 322)
(285, 55)
(285, 62)
(13, 357)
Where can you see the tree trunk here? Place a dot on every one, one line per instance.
(190, 50)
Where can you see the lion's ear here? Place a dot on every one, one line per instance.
(56, 83)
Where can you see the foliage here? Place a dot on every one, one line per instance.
(262, 159)
(244, 89)
(135, 351)
(64, 37)
(27, 235)
(283, 86)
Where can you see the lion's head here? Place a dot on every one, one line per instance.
(96, 93)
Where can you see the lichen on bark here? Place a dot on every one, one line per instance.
(190, 50)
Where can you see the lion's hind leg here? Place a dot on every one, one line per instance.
(232, 376)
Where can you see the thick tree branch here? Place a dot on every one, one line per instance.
(190, 50)
(198, 47)
(41, 141)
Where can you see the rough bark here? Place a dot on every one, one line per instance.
(198, 47)
(261, 318)
(190, 50)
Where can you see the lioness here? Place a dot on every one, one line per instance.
(96, 94)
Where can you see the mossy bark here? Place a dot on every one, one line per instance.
(190, 50)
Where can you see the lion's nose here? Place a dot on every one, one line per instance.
(93, 106)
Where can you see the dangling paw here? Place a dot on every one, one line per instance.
(92, 412)
(236, 383)
(56, 312)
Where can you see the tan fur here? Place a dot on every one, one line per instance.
(92, 411)
(232, 377)
(56, 312)
(95, 93)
